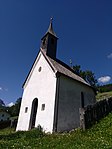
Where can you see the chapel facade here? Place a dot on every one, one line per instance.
(53, 93)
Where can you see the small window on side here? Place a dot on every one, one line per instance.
(43, 107)
(26, 109)
(82, 100)
(2, 115)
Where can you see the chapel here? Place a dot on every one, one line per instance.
(52, 92)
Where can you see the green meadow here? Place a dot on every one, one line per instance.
(98, 137)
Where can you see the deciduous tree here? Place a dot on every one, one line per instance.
(87, 75)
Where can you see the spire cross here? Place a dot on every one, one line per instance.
(51, 19)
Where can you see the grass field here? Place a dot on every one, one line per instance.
(104, 95)
(98, 137)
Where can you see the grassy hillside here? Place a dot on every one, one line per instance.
(98, 137)
(104, 95)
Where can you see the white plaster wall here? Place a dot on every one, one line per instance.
(41, 85)
(70, 102)
(5, 117)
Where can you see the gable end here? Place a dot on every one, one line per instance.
(31, 70)
(33, 67)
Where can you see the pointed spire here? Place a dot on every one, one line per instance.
(50, 29)
(49, 41)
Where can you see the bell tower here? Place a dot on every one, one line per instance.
(49, 42)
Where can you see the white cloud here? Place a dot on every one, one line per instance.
(110, 55)
(10, 104)
(1, 88)
(104, 79)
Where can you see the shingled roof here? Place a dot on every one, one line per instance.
(59, 66)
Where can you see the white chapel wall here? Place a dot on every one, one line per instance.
(70, 101)
(41, 85)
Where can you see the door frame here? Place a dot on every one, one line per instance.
(34, 109)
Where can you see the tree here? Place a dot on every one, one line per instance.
(77, 69)
(17, 105)
(87, 75)
(14, 110)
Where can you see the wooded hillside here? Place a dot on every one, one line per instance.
(105, 88)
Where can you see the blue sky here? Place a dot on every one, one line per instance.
(84, 28)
